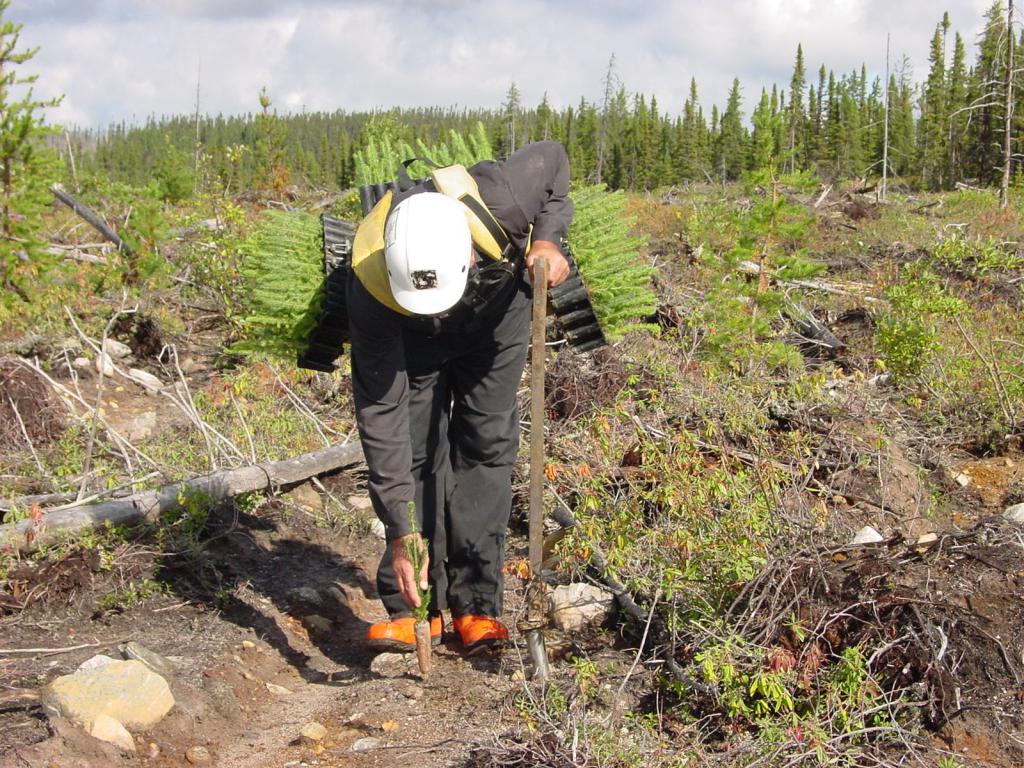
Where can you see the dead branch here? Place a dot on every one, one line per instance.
(90, 216)
(28, 535)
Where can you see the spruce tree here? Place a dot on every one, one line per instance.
(795, 117)
(956, 100)
(27, 168)
(733, 149)
(934, 117)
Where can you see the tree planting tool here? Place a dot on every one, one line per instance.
(536, 615)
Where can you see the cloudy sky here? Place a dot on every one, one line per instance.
(128, 59)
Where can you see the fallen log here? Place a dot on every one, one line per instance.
(90, 216)
(28, 535)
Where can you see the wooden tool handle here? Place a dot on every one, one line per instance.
(537, 354)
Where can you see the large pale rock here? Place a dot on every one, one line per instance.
(867, 535)
(116, 349)
(576, 606)
(146, 380)
(128, 691)
(1015, 513)
(106, 728)
(377, 529)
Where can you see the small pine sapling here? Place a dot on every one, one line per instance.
(417, 554)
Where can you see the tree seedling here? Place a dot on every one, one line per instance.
(417, 554)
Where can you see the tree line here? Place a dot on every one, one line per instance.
(932, 134)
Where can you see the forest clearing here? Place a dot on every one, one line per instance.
(784, 504)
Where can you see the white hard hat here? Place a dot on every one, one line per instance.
(427, 247)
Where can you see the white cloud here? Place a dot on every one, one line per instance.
(128, 59)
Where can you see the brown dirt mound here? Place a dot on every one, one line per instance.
(27, 400)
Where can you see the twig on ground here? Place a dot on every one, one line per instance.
(54, 651)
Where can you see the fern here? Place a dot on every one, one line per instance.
(282, 266)
(608, 256)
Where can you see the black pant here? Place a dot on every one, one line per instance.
(464, 427)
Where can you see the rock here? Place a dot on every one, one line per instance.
(392, 664)
(104, 364)
(337, 595)
(866, 535)
(80, 363)
(141, 427)
(366, 744)
(318, 623)
(1015, 514)
(128, 691)
(963, 480)
(197, 755)
(139, 652)
(576, 606)
(106, 728)
(248, 645)
(95, 662)
(360, 503)
(278, 690)
(377, 529)
(154, 750)
(305, 497)
(312, 734)
(306, 596)
(147, 380)
(116, 349)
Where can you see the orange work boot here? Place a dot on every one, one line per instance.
(480, 630)
(399, 635)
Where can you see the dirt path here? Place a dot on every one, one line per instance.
(265, 632)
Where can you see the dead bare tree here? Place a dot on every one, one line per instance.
(1004, 186)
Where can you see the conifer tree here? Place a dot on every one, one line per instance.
(958, 114)
(27, 168)
(762, 140)
(732, 140)
(901, 121)
(796, 118)
(269, 150)
(511, 111)
(934, 116)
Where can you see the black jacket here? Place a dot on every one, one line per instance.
(531, 188)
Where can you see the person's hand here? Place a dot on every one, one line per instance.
(403, 568)
(558, 266)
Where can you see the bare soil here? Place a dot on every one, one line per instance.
(232, 621)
